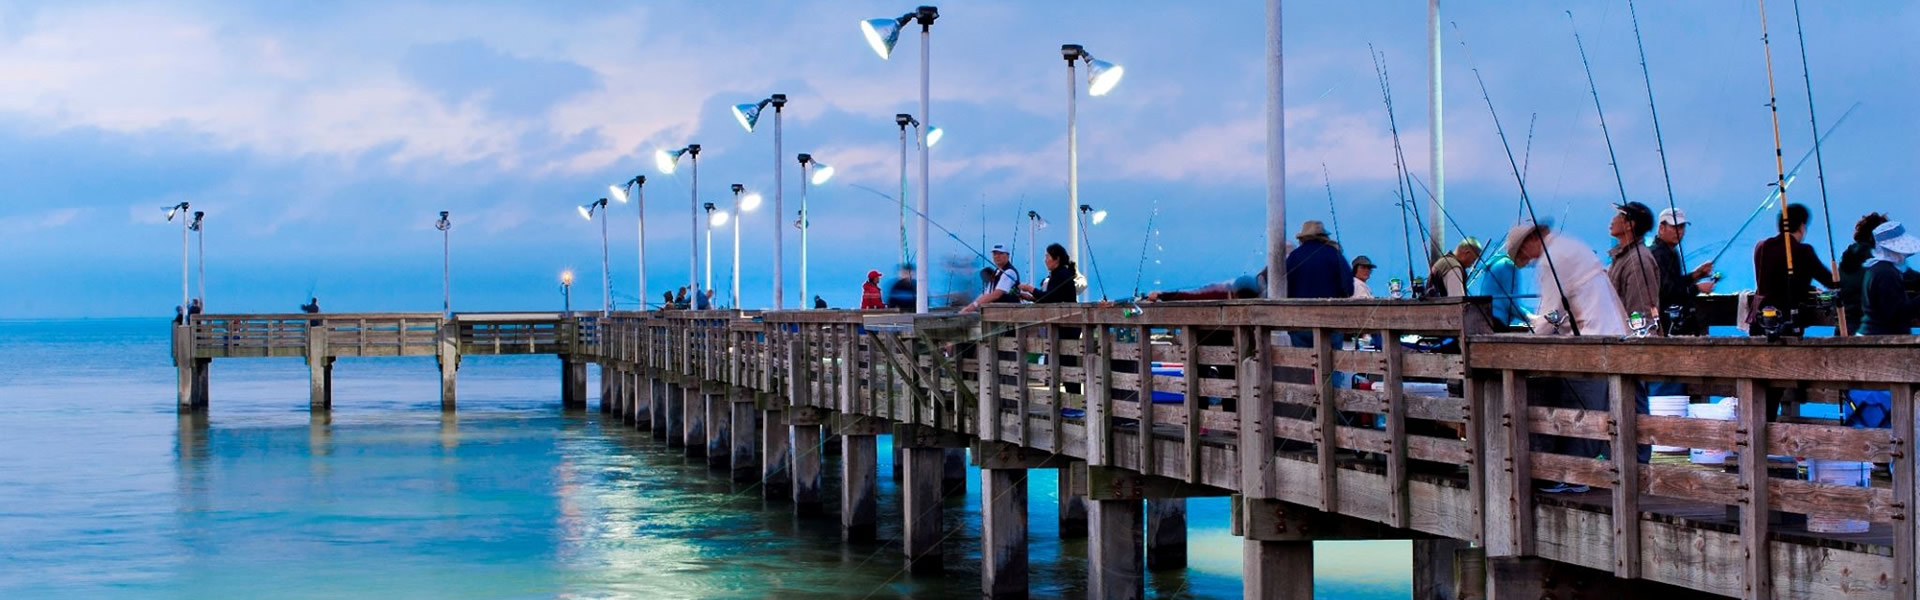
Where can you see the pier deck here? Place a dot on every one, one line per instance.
(1443, 444)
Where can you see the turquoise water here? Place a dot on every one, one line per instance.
(106, 493)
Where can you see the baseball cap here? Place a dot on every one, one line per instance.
(999, 249)
(1638, 214)
(873, 274)
(1362, 261)
(1673, 216)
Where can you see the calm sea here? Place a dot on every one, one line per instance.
(106, 493)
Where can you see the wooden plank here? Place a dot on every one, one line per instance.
(1571, 469)
(1256, 414)
(1685, 432)
(1832, 442)
(1621, 393)
(1435, 315)
(1190, 341)
(1024, 400)
(1145, 396)
(1100, 400)
(1906, 528)
(1426, 365)
(1756, 580)
(1326, 419)
(1440, 450)
(1396, 431)
(1859, 359)
(1476, 462)
(1056, 387)
(1569, 422)
(988, 352)
(1518, 503)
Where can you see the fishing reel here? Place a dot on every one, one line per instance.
(1557, 319)
(1395, 288)
(1419, 289)
(1132, 309)
(1642, 324)
(1825, 300)
(1675, 314)
(1773, 323)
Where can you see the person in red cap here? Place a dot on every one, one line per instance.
(870, 293)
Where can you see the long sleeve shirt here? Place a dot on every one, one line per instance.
(1360, 289)
(1501, 281)
(1781, 290)
(1588, 293)
(1635, 277)
(1318, 270)
(1884, 300)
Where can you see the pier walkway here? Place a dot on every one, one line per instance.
(1435, 440)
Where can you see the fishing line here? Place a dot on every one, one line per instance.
(1779, 161)
(1145, 241)
(1819, 166)
(1660, 144)
(916, 212)
(1327, 179)
(1791, 175)
(1400, 190)
(1613, 160)
(1092, 259)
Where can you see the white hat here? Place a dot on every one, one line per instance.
(1518, 235)
(1673, 216)
(1894, 237)
(999, 249)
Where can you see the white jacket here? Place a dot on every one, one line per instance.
(1589, 294)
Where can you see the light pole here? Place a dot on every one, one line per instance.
(566, 291)
(713, 219)
(1034, 225)
(666, 160)
(619, 192)
(933, 137)
(881, 34)
(446, 263)
(1101, 77)
(816, 173)
(181, 210)
(200, 239)
(748, 115)
(1093, 217)
(606, 279)
(742, 204)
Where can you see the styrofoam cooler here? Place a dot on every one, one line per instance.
(1838, 472)
(1719, 411)
(1668, 406)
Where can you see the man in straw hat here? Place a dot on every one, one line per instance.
(1316, 268)
(1889, 310)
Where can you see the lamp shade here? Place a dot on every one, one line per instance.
(748, 114)
(821, 172)
(666, 160)
(881, 35)
(934, 134)
(718, 218)
(586, 211)
(618, 193)
(1102, 76)
(750, 202)
(1098, 216)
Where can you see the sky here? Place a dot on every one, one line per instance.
(322, 139)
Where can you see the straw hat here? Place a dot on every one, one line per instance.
(1312, 230)
(1519, 234)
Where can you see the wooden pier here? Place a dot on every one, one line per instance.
(1441, 450)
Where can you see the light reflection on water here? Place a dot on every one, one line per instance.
(105, 492)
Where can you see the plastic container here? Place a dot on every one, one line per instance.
(1719, 411)
(1668, 406)
(1838, 472)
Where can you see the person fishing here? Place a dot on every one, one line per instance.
(1680, 288)
(1006, 286)
(1884, 298)
(1588, 300)
(1853, 267)
(1500, 280)
(1316, 268)
(1058, 287)
(870, 297)
(312, 307)
(1242, 287)
(680, 300)
(1362, 271)
(819, 303)
(900, 295)
(1633, 272)
(1790, 290)
(666, 300)
(1448, 277)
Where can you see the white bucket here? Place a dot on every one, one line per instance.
(1668, 406)
(1838, 472)
(1720, 411)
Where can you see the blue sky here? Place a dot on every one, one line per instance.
(323, 139)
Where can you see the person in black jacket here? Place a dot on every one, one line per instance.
(1853, 268)
(1679, 288)
(901, 295)
(1884, 300)
(1058, 286)
(1789, 290)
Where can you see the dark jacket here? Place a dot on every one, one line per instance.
(1057, 288)
(1781, 290)
(1886, 309)
(900, 295)
(1853, 278)
(1677, 288)
(1317, 269)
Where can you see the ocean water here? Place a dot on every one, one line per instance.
(105, 492)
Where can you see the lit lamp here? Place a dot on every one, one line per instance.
(816, 173)
(606, 279)
(666, 160)
(445, 225)
(1101, 77)
(749, 115)
(1034, 225)
(200, 239)
(933, 137)
(881, 34)
(713, 220)
(640, 224)
(181, 210)
(1093, 217)
(566, 290)
(742, 204)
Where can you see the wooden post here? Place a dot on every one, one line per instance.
(575, 396)
(1073, 502)
(606, 387)
(1166, 533)
(1751, 440)
(1433, 568)
(319, 370)
(183, 365)
(1003, 528)
(664, 419)
(1906, 532)
(1509, 479)
(1398, 514)
(1517, 578)
(1621, 394)
(921, 510)
(719, 432)
(775, 480)
(674, 428)
(806, 468)
(1114, 550)
(202, 388)
(741, 431)
(953, 478)
(1277, 570)
(859, 487)
(1326, 415)
(693, 420)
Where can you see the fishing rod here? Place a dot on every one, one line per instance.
(1092, 260)
(1779, 161)
(1659, 144)
(1400, 191)
(1399, 154)
(1613, 160)
(1526, 164)
(1327, 179)
(1778, 192)
(916, 212)
(1520, 180)
(1146, 240)
(1819, 166)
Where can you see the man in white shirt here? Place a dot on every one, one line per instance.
(1006, 285)
(1362, 271)
(1589, 305)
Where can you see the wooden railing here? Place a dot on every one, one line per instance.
(515, 334)
(250, 335)
(382, 334)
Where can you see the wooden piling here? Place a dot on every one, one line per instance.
(1003, 533)
(661, 400)
(675, 428)
(953, 479)
(1278, 570)
(606, 387)
(859, 487)
(1434, 567)
(1073, 501)
(776, 482)
(719, 432)
(319, 372)
(1166, 533)
(743, 435)
(1114, 550)
(805, 472)
(922, 510)
(573, 381)
(693, 421)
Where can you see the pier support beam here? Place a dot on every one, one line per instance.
(643, 393)
(320, 382)
(573, 383)
(1003, 530)
(719, 431)
(953, 481)
(743, 434)
(671, 429)
(1114, 550)
(607, 380)
(449, 370)
(1433, 568)
(1278, 570)
(921, 510)
(693, 420)
(775, 480)
(806, 461)
(1073, 503)
(1166, 533)
(859, 486)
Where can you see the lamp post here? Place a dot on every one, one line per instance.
(881, 34)
(748, 115)
(1101, 77)
(446, 263)
(712, 220)
(606, 279)
(933, 137)
(619, 192)
(566, 291)
(816, 173)
(666, 160)
(181, 210)
(742, 204)
(200, 239)
(1093, 217)
(1034, 225)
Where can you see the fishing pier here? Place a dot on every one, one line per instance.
(1438, 452)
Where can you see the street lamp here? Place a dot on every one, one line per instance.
(606, 278)
(816, 173)
(749, 115)
(566, 290)
(1101, 77)
(1034, 225)
(1093, 217)
(742, 204)
(181, 210)
(881, 34)
(933, 137)
(619, 192)
(200, 239)
(713, 220)
(666, 160)
(446, 263)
